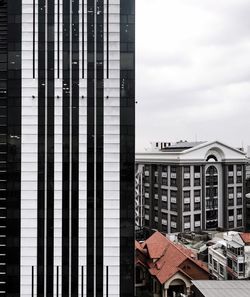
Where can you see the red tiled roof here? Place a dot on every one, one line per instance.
(245, 237)
(165, 257)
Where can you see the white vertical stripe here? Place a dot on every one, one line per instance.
(82, 157)
(28, 153)
(58, 164)
(111, 249)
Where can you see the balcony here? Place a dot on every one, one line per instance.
(164, 198)
(173, 224)
(197, 224)
(197, 199)
(173, 200)
(164, 174)
(164, 222)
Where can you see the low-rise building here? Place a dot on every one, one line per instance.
(229, 259)
(193, 186)
(166, 269)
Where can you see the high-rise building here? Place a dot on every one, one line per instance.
(67, 148)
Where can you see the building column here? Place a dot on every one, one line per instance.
(165, 292)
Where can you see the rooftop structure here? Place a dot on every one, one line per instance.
(221, 288)
(167, 264)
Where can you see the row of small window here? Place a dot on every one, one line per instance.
(233, 265)
(231, 179)
(238, 168)
(238, 190)
(187, 206)
(173, 169)
(217, 266)
(238, 202)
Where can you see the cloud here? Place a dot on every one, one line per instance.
(193, 70)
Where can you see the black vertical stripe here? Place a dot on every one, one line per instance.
(13, 103)
(34, 36)
(50, 148)
(107, 281)
(41, 148)
(107, 44)
(66, 148)
(82, 281)
(127, 146)
(99, 145)
(75, 149)
(32, 281)
(57, 281)
(58, 39)
(90, 147)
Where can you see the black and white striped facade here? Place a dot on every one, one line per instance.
(70, 148)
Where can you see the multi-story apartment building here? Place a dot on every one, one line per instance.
(230, 258)
(67, 148)
(193, 186)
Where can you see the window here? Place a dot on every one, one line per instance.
(164, 168)
(164, 216)
(239, 168)
(239, 189)
(197, 193)
(239, 201)
(173, 169)
(146, 201)
(197, 217)
(197, 182)
(173, 182)
(230, 202)
(210, 259)
(186, 182)
(187, 207)
(239, 179)
(241, 267)
(186, 219)
(231, 224)
(173, 206)
(197, 206)
(239, 223)
(164, 228)
(221, 269)
(146, 211)
(231, 212)
(173, 194)
(173, 218)
(230, 180)
(164, 193)
(186, 169)
(164, 181)
(186, 194)
(197, 169)
(230, 168)
(215, 265)
(239, 211)
(230, 190)
(164, 205)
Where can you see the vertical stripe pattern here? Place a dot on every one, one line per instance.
(73, 162)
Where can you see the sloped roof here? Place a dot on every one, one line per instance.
(165, 257)
(245, 237)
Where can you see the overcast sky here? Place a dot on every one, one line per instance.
(193, 71)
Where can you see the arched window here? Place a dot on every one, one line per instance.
(211, 170)
(211, 158)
